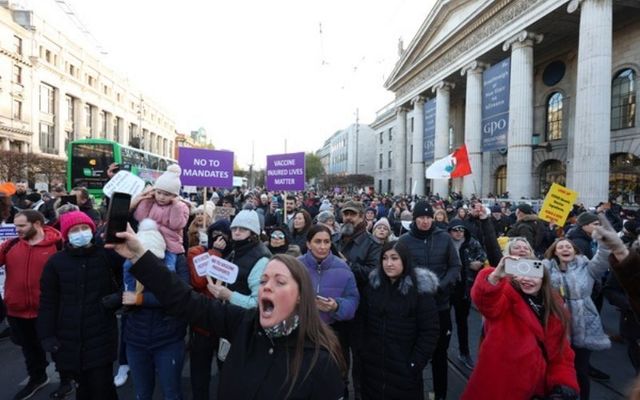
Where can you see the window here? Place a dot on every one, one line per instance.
(17, 45)
(390, 134)
(411, 124)
(381, 137)
(379, 185)
(501, 180)
(551, 171)
(411, 156)
(17, 74)
(389, 163)
(47, 56)
(380, 161)
(623, 100)
(70, 113)
(388, 185)
(47, 139)
(554, 116)
(46, 99)
(17, 109)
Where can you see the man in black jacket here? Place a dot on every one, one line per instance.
(433, 249)
(362, 254)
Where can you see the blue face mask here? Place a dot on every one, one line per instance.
(80, 239)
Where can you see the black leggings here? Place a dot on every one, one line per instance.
(461, 307)
(581, 363)
(439, 363)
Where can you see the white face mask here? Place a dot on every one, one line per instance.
(80, 239)
(203, 238)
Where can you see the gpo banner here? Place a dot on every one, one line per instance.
(495, 106)
(429, 137)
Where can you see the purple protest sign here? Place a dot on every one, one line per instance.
(204, 167)
(285, 171)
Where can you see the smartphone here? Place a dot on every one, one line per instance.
(70, 199)
(322, 298)
(117, 216)
(524, 267)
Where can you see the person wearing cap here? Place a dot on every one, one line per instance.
(499, 221)
(83, 340)
(362, 254)
(162, 204)
(24, 259)
(250, 255)
(580, 235)
(432, 248)
(526, 225)
(472, 257)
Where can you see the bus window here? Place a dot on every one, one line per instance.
(162, 165)
(153, 162)
(90, 162)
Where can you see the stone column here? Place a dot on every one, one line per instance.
(441, 147)
(473, 128)
(79, 118)
(520, 155)
(589, 169)
(486, 174)
(399, 162)
(109, 132)
(96, 123)
(123, 131)
(60, 121)
(417, 167)
(5, 144)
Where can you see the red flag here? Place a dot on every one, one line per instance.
(462, 163)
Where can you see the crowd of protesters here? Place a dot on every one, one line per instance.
(333, 291)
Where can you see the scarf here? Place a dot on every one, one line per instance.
(283, 328)
(422, 235)
(536, 304)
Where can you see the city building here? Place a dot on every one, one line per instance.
(54, 91)
(349, 151)
(540, 91)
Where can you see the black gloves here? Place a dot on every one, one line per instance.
(51, 345)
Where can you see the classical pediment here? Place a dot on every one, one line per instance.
(446, 18)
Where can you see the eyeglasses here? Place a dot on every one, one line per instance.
(277, 235)
(458, 229)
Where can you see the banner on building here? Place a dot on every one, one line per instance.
(429, 136)
(557, 204)
(285, 171)
(495, 106)
(207, 168)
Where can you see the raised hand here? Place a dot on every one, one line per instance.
(607, 236)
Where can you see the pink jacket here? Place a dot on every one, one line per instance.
(171, 220)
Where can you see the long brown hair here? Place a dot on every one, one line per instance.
(550, 254)
(310, 327)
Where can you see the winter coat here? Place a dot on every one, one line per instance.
(525, 227)
(73, 284)
(576, 285)
(583, 241)
(332, 278)
(148, 325)
(199, 283)
(91, 212)
(300, 239)
(256, 367)
(629, 277)
(436, 253)
(629, 326)
(362, 254)
(171, 220)
(400, 333)
(251, 258)
(24, 264)
(511, 361)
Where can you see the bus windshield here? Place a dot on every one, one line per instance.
(90, 164)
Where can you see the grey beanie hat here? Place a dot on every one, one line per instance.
(324, 216)
(247, 219)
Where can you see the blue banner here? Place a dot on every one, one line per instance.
(429, 135)
(495, 106)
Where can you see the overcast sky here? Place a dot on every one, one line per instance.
(255, 70)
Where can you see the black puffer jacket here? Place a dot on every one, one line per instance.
(72, 315)
(434, 250)
(362, 254)
(256, 367)
(580, 238)
(245, 255)
(400, 322)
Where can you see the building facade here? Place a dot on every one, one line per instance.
(349, 151)
(53, 91)
(571, 117)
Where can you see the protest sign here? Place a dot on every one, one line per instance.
(207, 168)
(202, 263)
(223, 213)
(8, 231)
(124, 182)
(223, 270)
(285, 171)
(557, 204)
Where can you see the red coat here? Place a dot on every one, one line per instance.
(511, 364)
(24, 264)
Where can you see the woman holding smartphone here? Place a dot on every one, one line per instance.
(525, 353)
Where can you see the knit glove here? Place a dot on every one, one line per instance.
(608, 238)
(51, 345)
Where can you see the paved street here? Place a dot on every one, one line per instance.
(613, 362)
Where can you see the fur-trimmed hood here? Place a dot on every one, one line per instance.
(427, 281)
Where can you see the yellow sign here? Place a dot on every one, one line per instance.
(557, 204)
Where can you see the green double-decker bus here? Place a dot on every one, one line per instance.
(89, 160)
